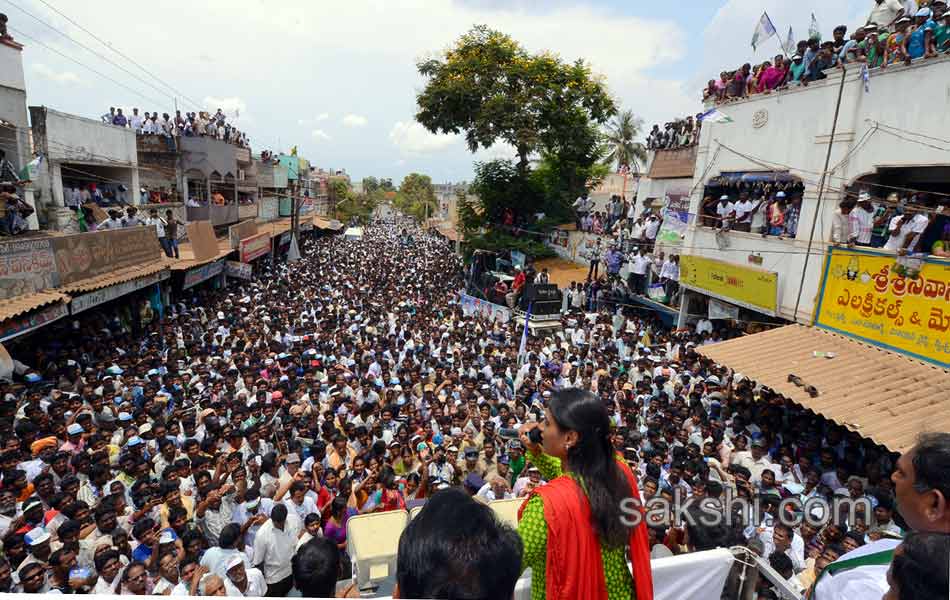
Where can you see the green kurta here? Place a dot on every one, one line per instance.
(534, 534)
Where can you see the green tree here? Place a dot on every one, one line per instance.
(386, 184)
(416, 196)
(624, 149)
(370, 185)
(489, 87)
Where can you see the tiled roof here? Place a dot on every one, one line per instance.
(884, 396)
(12, 307)
(118, 276)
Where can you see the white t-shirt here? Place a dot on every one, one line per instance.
(915, 225)
(743, 208)
(724, 210)
(640, 264)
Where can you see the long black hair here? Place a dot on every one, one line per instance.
(593, 460)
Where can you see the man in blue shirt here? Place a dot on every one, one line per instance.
(921, 41)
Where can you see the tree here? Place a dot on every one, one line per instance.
(490, 87)
(416, 196)
(386, 184)
(622, 133)
(370, 185)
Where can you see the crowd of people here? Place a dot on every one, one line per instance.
(191, 124)
(219, 445)
(895, 33)
(675, 134)
(766, 208)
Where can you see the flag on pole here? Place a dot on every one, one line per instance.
(814, 32)
(714, 115)
(790, 45)
(523, 349)
(763, 31)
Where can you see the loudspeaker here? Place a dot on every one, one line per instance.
(542, 292)
(546, 307)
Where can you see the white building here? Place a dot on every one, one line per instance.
(892, 136)
(80, 152)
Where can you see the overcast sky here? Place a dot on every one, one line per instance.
(338, 79)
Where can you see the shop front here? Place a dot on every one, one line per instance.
(717, 289)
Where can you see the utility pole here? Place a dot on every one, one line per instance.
(821, 193)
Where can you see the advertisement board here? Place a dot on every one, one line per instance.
(195, 276)
(86, 255)
(101, 296)
(487, 310)
(239, 270)
(254, 247)
(26, 266)
(28, 322)
(752, 288)
(866, 295)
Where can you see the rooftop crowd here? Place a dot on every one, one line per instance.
(219, 445)
(200, 124)
(895, 33)
(675, 134)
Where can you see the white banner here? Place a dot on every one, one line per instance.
(87, 301)
(487, 310)
(722, 310)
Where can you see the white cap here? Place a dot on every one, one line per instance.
(36, 536)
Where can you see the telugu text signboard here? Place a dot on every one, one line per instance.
(863, 296)
(103, 295)
(87, 255)
(26, 266)
(239, 270)
(254, 247)
(195, 276)
(752, 288)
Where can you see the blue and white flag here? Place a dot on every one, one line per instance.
(523, 349)
(866, 78)
(790, 46)
(714, 115)
(763, 31)
(814, 32)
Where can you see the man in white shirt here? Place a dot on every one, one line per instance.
(745, 208)
(639, 263)
(274, 548)
(905, 231)
(841, 223)
(582, 206)
(861, 220)
(885, 12)
(725, 210)
(136, 120)
(704, 325)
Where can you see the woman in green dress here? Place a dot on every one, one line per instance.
(578, 528)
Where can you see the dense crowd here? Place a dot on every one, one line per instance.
(893, 34)
(216, 445)
(675, 134)
(191, 124)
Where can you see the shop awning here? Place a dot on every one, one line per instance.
(18, 305)
(332, 225)
(114, 277)
(884, 396)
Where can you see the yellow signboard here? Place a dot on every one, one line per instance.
(868, 295)
(745, 286)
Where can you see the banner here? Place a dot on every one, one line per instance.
(86, 255)
(518, 259)
(26, 266)
(675, 219)
(867, 296)
(238, 270)
(254, 247)
(485, 309)
(103, 295)
(17, 326)
(195, 276)
(722, 310)
(752, 288)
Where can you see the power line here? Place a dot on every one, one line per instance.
(120, 53)
(85, 66)
(88, 49)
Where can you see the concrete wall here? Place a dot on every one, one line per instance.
(76, 139)
(11, 66)
(658, 188)
(791, 130)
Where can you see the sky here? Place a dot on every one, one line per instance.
(339, 80)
